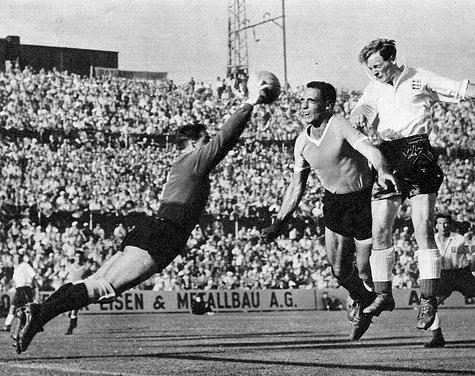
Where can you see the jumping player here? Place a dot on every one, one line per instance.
(397, 102)
(153, 244)
(337, 151)
(456, 272)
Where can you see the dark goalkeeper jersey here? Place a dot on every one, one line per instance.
(186, 191)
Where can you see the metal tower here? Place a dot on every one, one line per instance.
(237, 37)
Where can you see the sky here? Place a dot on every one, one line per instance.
(188, 38)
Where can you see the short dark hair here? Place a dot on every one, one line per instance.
(81, 254)
(327, 90)
(189, 132)
(442, 215)
(385, 47)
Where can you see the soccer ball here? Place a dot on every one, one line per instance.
(271, 92)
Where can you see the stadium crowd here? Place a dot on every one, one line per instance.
(82, 154)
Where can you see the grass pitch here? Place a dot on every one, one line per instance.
(279, 343)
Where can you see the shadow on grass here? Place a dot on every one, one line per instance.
(207, 356)
(181, 336)
(326, 343)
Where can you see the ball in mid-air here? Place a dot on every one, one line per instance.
(272, 89)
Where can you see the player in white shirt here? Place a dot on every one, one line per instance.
(457, 271)
(24, 280)
(397, 102)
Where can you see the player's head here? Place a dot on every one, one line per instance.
(379, 56)
(17, 258)
(79, 257)
(317, 102)
(192, 135)
(442, 223)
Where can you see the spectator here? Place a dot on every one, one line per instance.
(65, 159)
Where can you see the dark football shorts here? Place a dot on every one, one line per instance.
(414, 165)
(348, 214)
(460, 280)
(159, 237)
(22, 296)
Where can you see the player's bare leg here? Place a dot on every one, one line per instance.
(340, 252)
(360, 320)
(107, 264)
(363, 253)
(428, 255)
(382, 256)
(99, 273)
(132, 268)
(128, 269)
(73, 315)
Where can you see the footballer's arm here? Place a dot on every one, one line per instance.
(360, 143)
(292, 197)
(215, 150)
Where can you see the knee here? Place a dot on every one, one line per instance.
(382, 237)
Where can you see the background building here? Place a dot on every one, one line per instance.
(80, 61)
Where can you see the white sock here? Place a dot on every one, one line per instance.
(429, 261)
(382, 263)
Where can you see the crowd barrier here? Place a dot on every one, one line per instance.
(109, 220)
(52, 135)
(145, 301)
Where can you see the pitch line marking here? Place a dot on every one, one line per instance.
(51, 367)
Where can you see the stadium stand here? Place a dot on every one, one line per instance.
(81, 156)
